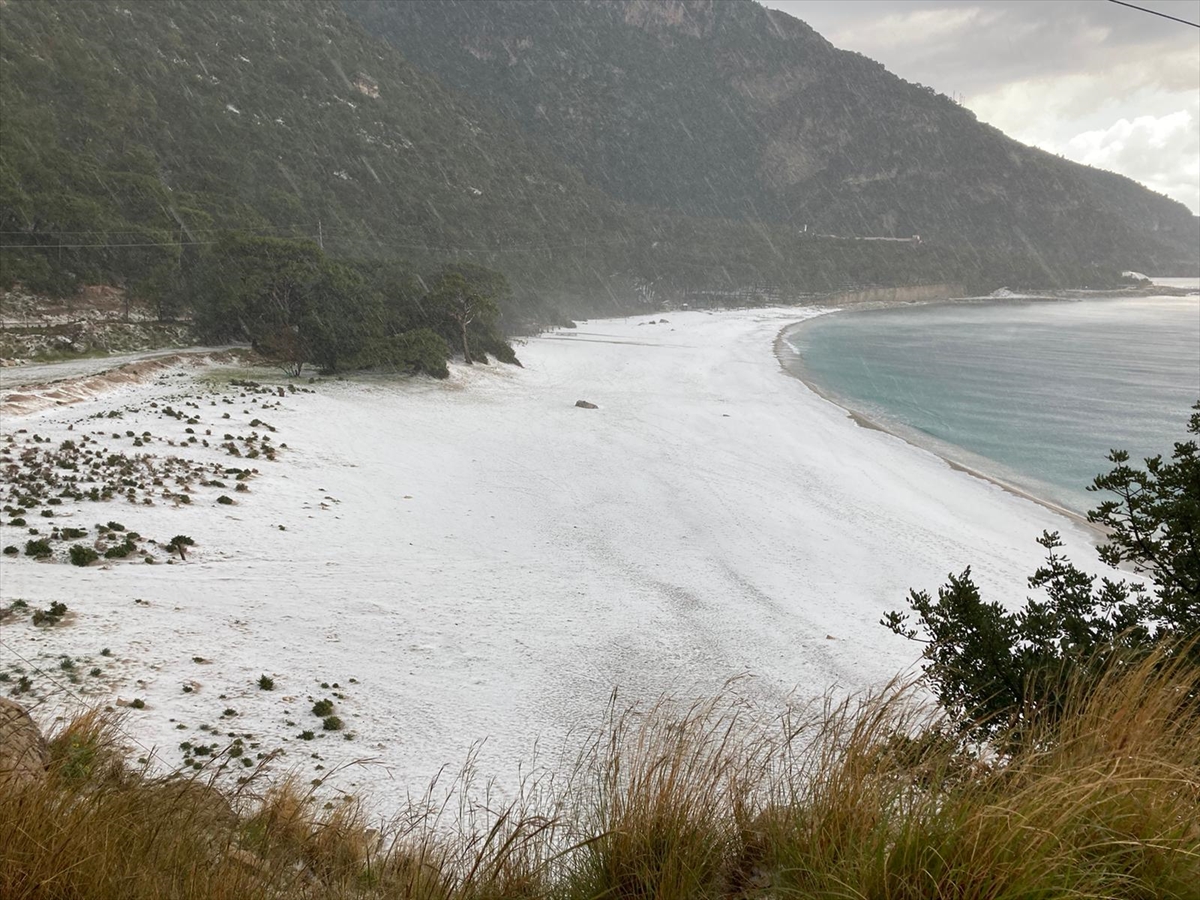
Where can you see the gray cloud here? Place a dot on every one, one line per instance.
(1062, 75)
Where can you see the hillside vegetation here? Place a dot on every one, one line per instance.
(137, 138)
(136, 134)
(727, 108)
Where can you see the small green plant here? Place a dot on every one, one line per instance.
(332, 723)
(266, 683)
(10, 550)
(225, 500)
(322, 708)
(137, 703)
(178, 544)
(76, 758)
(120, 551)
(71, 534)
(38, 548)
(306, 735)
(51, 616)
(82, 555)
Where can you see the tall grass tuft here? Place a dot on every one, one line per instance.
(873, 796)
(661, 797)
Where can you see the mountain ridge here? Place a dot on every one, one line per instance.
(735, 110)
(135, 137)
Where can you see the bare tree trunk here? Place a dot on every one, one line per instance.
(466, 349)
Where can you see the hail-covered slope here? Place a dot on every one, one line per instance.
(482, 559)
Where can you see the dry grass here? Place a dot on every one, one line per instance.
(867, 798)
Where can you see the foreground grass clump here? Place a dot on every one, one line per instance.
(871, 797)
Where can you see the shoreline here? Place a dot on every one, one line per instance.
(783, 351)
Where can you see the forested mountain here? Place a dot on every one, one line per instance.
(159, 119)
(599, 155)
(134, 135)
(726, 108)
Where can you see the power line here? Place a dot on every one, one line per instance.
(1155, 12)
(108, 246)
(213, 230)
(533, 248)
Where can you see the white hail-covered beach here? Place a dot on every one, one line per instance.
(488, 561)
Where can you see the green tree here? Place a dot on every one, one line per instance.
(986, 663)
(461, 297)
(1154, 525)
(261, 290)
(419, 350)
(340, 316)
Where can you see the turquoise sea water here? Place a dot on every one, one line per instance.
(1033, 393)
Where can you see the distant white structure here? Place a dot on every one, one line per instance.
(915, 239)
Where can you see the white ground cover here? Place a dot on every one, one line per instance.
(488, 561)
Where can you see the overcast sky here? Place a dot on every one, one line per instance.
(1099, 83)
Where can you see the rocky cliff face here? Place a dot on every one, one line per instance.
(24, 753)
(730, 109)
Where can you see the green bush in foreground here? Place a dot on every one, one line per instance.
(987, 664)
